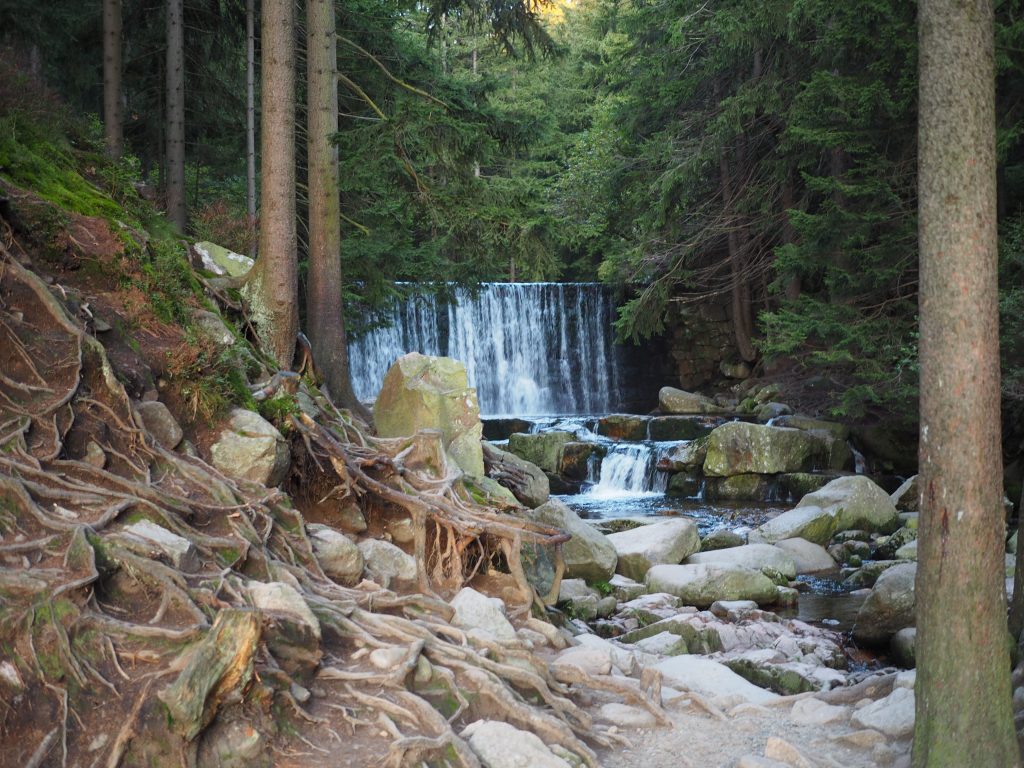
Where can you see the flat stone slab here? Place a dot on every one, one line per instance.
(709, 678)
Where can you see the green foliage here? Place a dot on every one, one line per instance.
(168, 280)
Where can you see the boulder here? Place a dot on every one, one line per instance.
(500, 745)
(476, 612)
(811, 523)
(149, 536)
(543, 449)
(577, 458)
(857, 502)
(817, 712)
(903, 647)
(889, 608)
(679, 427)
(770, 411)
(808, 556)
(290, 629)
(688, 455)
(160, 423)
(908, 551)
(893, 715)
(740, 448)
(907, 497)
(678, 401)
(799, 421)
(753, 556)
(338, 555)
(250, 448)
(867, 574)
(221, 261)
(740, 488)
(424, 392)
(723, 538)
(385, 562)
(588, 554)
(687, 483)
(623, 426)
(526, 480)
(669, 541)
(711, 679)
(702, 584)
(796, 485)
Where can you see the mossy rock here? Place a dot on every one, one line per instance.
(786, 682)
(749, 487)
(543, 449)
(739, 448)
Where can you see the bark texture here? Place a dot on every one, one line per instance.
(112, 114)
(324, 311)
(273, 285)
(964, 716)
(175, 186)
(250, 109)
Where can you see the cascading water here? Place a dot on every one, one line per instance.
(529, 348)
(629, 469)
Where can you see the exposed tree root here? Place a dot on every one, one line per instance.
(101, 622)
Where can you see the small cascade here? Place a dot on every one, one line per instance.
(630, 469)
(860, 464)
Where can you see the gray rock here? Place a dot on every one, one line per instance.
(738, 448)
(907, 551)
(625, 716)
(678, 401)
(160, 423)
(710, 678)
(769, 411)
(290, 629)
(338, 555)
(593, 661)
(817, 712)
(855, 502)
(250, 448)
(543, 449)
(906, 498)
(178, 550)
(809, 557)
(385, 562)
(477, 612)
(753, 556)
(534, 489)
(808, 522)
(723, 538)
(706, 583)
(625, 589)
(893, 715)
(889, 608)
(589, 554)
(402, 530)
(669, 541)
(500, 745)
(95, 455)
(688, 455)
(902, 647)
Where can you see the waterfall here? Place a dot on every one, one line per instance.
(528, 348)
(629, 469)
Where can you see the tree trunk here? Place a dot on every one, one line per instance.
(272, 287)
(175, 186)
(324, 312)
(250, 109)
(741, 320)
(112, 129)
(964, 716)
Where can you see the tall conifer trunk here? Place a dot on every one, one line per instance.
(324, 311)
(112, 114)
(250, 109)
(272, 286)
(964, 716)
(175, 183)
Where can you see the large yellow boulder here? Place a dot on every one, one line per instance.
(424, 392)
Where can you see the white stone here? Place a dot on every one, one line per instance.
(810, 523)
(250, 448)
(475, 611)
(856, 502)
(808, 556)
(906, 679)
(384, 562)
(623, 660)
(670, 541)
(593, 661)
(281, 598)
(893, 715)
(337, 554)
(754, 556)
(702, 584)
(500, 745)
(785, 753)
(177, 549)
(626, 716)
(709, 678)
(817, 712)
